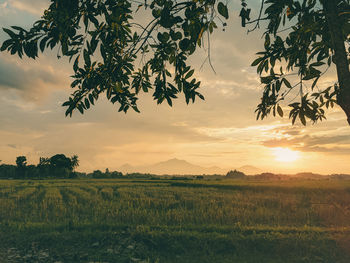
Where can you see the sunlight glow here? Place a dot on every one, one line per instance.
(285, 154)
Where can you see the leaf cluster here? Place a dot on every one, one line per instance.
(104, 44)
(298, 49)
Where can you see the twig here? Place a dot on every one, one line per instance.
(257, 25)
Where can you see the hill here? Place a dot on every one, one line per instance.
(172, 167)
(249, 170)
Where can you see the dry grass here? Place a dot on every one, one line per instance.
(297, 211)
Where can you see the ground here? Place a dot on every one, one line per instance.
(124, 220)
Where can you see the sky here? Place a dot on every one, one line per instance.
(220, 131)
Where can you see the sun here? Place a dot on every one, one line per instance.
(285, 155)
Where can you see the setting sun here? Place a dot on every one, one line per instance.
(285, 154)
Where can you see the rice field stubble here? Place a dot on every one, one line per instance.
(174, 221)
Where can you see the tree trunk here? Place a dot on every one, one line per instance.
(340, 56)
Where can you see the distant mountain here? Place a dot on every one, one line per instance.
(172, 167)
(126, 168)
(249, 170)
(176, 166)
(182, 167)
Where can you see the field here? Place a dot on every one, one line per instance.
(174, 221)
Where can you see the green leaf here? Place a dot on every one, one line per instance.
(67, 103)
(163, 37)
(76, 64)
(287, 83)
(6, 44)
(136, 109)
(43, 43)
(169, 101)
(87, 58)
(17, 28)
(314, 83)
(189, 74)
(87, 103)
(312, 73)
(222, 9)
(10, 33)
(317, 64)
(302, 118)
(184, 44)
(200, 96)
(267, 41)
(80, 108)
(177, 36)
(64, 48)
(94, 43)
(257, 61)
(266, 80)
(91, 98)
(279, 111)
(156, 13)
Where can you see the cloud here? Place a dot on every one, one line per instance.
(33, 80)
(312, 143)
(35, 7)
(4, 5)
(221, 130)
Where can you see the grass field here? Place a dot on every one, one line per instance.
(174, 221)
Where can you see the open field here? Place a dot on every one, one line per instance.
(174, 221)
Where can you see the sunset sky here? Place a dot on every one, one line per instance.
(222, 130)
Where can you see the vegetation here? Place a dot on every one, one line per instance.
(302, 41)
(235, 174)
(106, 174)
(174, 221)
(58, 166)
(105, 43)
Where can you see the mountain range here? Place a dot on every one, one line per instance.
(181, 167)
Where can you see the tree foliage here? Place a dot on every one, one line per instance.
(21, 162)
(57, 166)
(300, 46)
(106, 44)
(235, 174)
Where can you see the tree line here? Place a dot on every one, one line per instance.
(57, 166)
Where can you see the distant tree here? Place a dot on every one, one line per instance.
(8, 171)
(106, 174)
(268, 176)
(235, 174)
(79, 175)
(74, 162)
(60, 161)
(115, 174)
(44, 167)
(21, 161)
(60, 165)
(32, 172)
(97, 174)
(44, 161)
